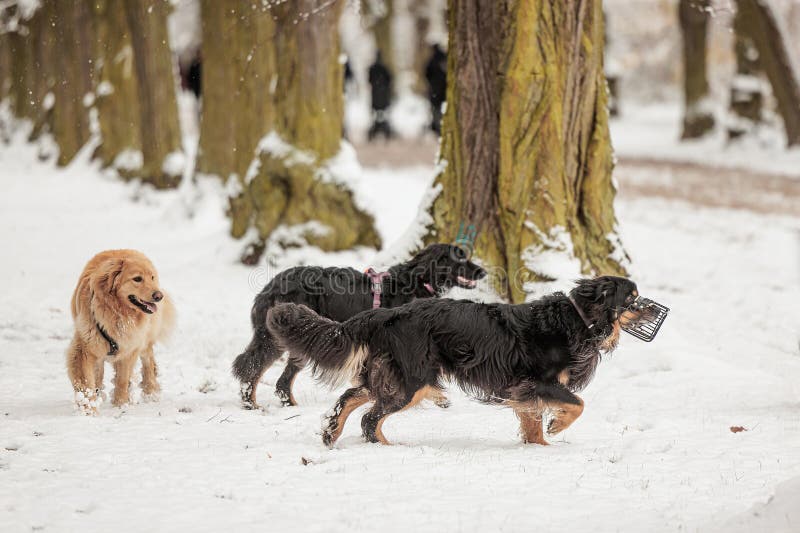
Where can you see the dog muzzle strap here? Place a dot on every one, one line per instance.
(652, 316)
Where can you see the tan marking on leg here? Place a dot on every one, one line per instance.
(420, 395)
(565, 415)
(563, 377)
(530, 421)
(610, 342)
(251, 391)
(291, 389)
(437, 396)
(351, 405)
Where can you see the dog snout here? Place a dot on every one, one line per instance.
(158, 296)
(480, 273)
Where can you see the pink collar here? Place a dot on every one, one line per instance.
(377, 285)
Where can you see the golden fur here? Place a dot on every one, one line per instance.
(102, 298)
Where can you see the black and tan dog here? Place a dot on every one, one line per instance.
(531, 356)
(340, 293)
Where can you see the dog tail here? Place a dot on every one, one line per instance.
(327, 345)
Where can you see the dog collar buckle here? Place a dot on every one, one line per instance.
(376, 278)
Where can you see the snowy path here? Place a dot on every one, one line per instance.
(652, 452)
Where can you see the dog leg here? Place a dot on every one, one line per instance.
(99, 375)
(123, 369)
(150, 386)
(530, 422)
(334, 421)
(438, 397)
(566, 406)
(372, 422)
(250, 365)
(283, 388)
(82, 371)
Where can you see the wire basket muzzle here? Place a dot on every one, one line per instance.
(653, 316)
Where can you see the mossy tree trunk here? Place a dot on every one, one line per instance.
(270, 136)
(117, 94)
(698, 118)
(160, 136)
(73, 29)
(757, 22)
(525, 144)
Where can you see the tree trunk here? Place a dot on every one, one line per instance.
(525, 145)
(698, 118)
(117, 98)
(163, 160)
(271, 136)
(747, 95)
(379, 14)
(43, 81)
(759, 24)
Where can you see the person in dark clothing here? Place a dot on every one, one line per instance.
(436, 74)
(380, 80)
(191, 74)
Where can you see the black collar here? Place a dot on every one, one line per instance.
(589, 325)
(113, 347)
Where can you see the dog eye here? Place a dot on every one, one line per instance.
(138, 279)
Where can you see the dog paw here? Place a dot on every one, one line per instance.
(285, 398)
(555, 426)
(442, 403)
(150, 397)
(88, 401)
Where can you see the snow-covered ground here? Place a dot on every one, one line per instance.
(653, 451)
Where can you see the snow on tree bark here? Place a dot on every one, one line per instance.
(746, 94)
(525, 150)
(272, 119)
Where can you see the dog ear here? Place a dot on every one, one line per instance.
(107, 281)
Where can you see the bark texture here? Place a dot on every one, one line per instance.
(270, 136)
(72, 26)
(525, 144)
(697, 119)
(757, 21)
(117, 94)
(160, 135)
(746, 96)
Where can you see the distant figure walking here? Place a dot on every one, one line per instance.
(380, 80)
(195, 77)
(436, 74)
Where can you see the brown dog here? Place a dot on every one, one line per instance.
(119, 312)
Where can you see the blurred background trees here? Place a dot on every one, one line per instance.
(268, 96)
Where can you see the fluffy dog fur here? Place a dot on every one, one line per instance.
(531, 356)
(118, 302)
(340, 293)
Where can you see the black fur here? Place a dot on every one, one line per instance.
(340, 293)
(497, 352)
